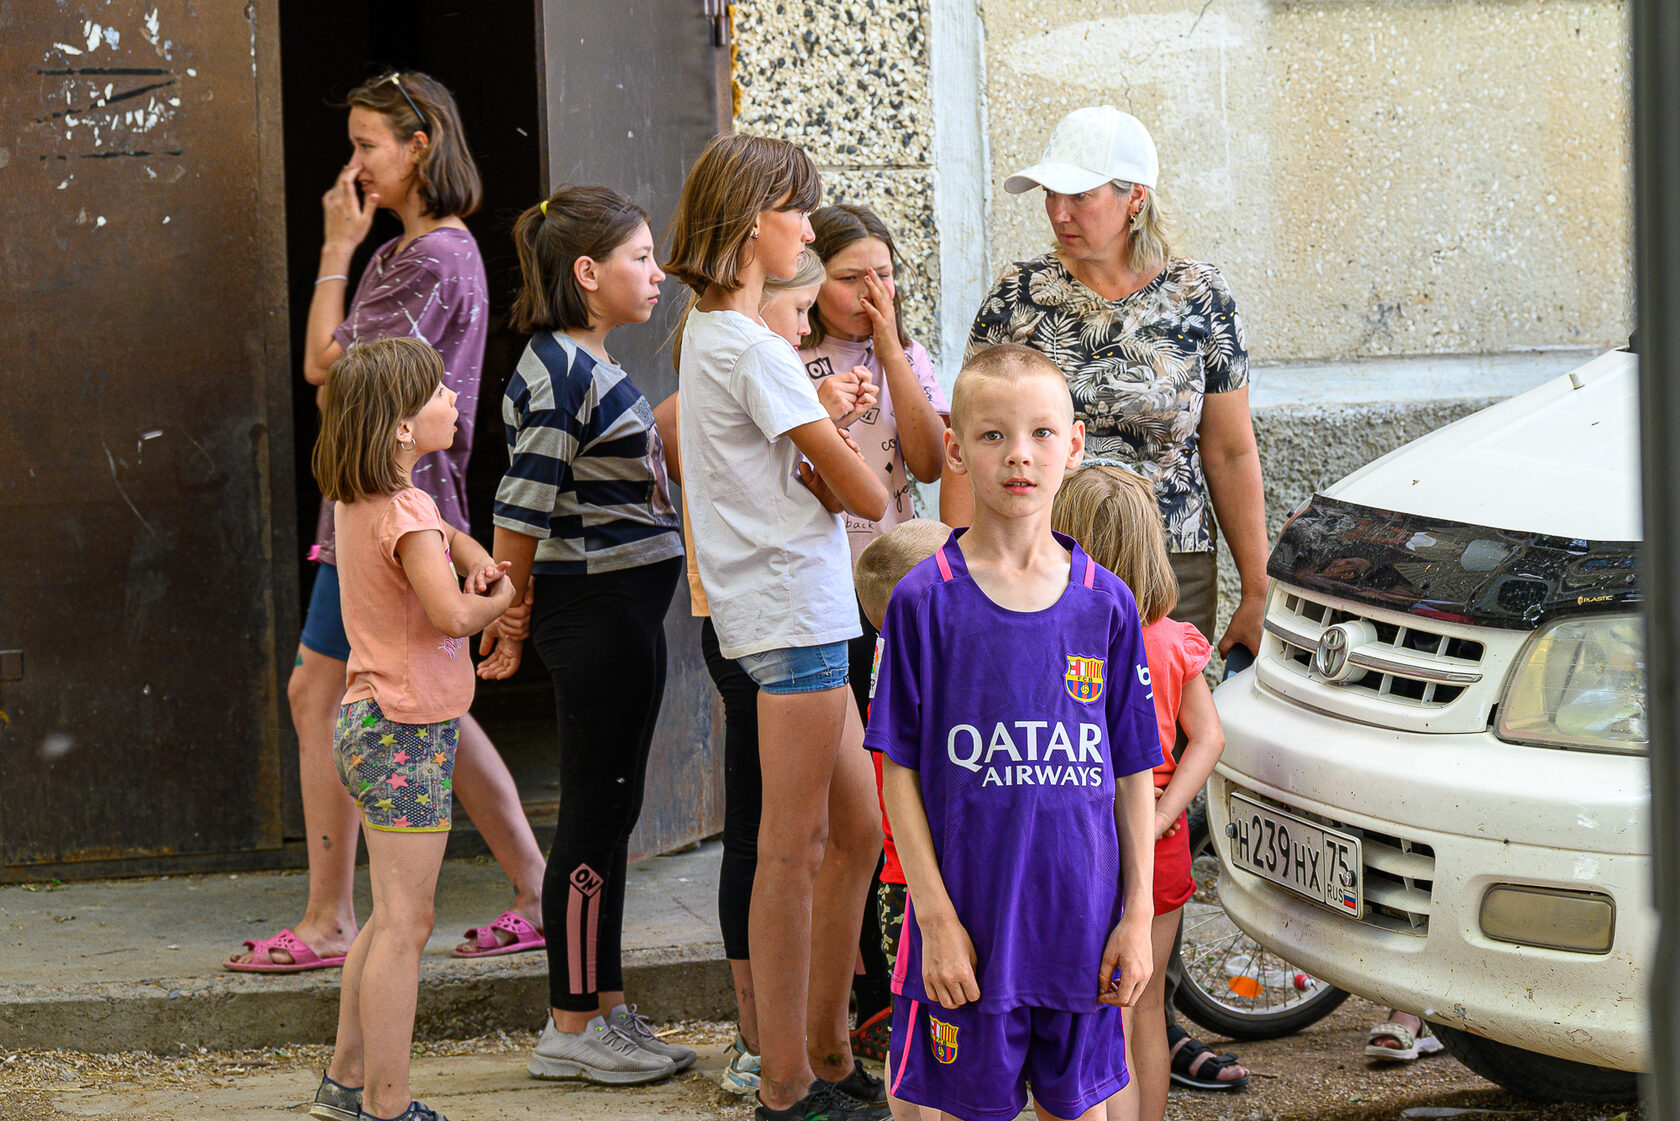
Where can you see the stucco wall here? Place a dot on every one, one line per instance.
(1373, 178)
(850, 83)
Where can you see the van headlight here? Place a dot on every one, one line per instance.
(1580, 682)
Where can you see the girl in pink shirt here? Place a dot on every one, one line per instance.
(408, 616)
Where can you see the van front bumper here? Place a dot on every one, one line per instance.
(1490, 813)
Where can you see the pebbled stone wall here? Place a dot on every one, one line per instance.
(850, 82)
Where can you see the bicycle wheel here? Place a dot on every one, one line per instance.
(1229, 983)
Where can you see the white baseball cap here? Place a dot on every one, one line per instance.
(1090, 147)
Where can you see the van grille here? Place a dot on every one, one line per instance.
(1410, 664)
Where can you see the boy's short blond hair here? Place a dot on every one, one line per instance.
(885, 560)
(1005, 362)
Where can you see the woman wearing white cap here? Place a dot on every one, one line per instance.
(1152, 348)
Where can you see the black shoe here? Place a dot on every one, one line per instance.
(862, 1085)
(825, 1102)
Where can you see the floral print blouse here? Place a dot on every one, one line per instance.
(1137, 367)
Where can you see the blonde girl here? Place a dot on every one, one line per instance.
(1113, 514)
(410, 680)
(773, 559)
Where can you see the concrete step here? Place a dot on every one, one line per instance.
(123, 965)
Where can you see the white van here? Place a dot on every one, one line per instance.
(1434, 791)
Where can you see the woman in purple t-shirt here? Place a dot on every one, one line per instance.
(408, 156)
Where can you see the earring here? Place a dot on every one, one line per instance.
(406, 445)
(755, 235)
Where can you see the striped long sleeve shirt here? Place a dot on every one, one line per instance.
(587, 472)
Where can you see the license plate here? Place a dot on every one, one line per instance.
(1321, 864)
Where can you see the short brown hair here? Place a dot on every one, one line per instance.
(573, 222)
(885, 560)
(372, 388)
(847, 224)
(1114, 515)
(447, 176)
(1003, 362)
(735, 179)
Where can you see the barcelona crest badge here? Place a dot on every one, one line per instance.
(1084, 678)
(943, 1037)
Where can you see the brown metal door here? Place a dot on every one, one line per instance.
(631, 94)
(143, 404)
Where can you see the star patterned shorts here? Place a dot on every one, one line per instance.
(399, 774)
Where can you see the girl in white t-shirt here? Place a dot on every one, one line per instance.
(767, 475)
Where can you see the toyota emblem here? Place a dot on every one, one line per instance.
(1334, 646)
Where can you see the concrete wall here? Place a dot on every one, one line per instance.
(1374, 178)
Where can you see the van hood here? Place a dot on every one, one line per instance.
(1561, 459)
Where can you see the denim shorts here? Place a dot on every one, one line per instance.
(323, 626)
(798, 669)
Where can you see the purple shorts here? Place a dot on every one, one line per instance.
(978, 1065)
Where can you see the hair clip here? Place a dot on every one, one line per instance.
(543, 206)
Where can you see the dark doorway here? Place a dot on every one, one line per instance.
(623, 94)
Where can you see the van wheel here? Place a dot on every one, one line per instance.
(1537, 1077)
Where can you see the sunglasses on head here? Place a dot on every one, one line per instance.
(395, 78)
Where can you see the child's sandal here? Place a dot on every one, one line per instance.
(1195, 1065)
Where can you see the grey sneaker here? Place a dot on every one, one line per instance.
(335, 1102)
(636, 1026)
(415, 1112)
(599, 1053)
(741, 1076)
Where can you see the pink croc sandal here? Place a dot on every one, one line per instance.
(262, 960)
(487, 945)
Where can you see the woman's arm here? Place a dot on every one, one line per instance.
(842, 469)
(1231, 462)
(1204, 742)
(452, 610)
(347, 220)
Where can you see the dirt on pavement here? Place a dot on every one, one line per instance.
(1319, 1074)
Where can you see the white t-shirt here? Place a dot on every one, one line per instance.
(774, 563)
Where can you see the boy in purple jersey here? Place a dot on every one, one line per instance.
(1012, 710)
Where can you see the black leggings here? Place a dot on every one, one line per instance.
(602, 637)
(743, 792)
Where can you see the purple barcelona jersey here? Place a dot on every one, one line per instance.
(1018, 724)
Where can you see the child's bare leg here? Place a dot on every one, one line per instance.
(1145, 1096)
(837, 899)
(347, 1066)
(909, 1111)
(1151, 1065)
(1095, 1113)
(745, 1003)
(487, 792)
(404, 869)
(1123, 1106)
(799, 736)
